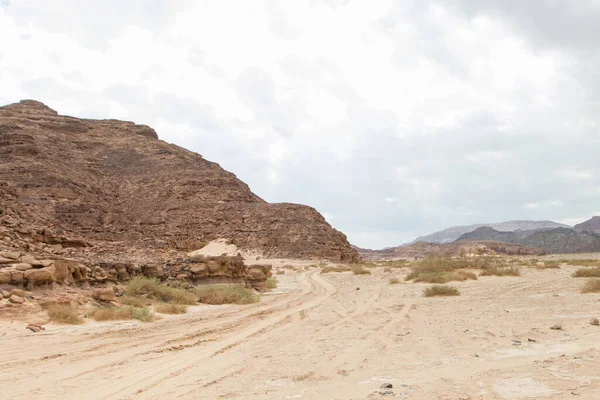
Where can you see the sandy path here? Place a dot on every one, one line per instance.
(321, 338)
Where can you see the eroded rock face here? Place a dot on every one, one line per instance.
(71, 183)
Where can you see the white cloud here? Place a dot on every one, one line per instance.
(460, 112)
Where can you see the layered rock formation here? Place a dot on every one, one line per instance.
(76, 183)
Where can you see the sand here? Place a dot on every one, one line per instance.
(330, 336)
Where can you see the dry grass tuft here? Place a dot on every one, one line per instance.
(225, 294)
(591, 286)
(171, 309)
(360, 270)
(63, 314)
(440, 290)
(584, 262)
(122, 313)
(138, 302)
(501, 271)
(548, 265)
(154, 289)
(272, 283)
(280, 272)
(393, 281)
(587, 273)
(443, 276)
(336, 268)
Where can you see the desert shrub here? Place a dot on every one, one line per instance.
(584, 262)
(591, 286)
(444, 276)
(122, 313)
(154, 289)
(440, 290)
(280, 272)
(272, 283)
(134, 301)
(336, 268)
(225, 294)
(548, 264)
(501, 271)
(360, 270)
(171, 308)
(393, 281)
(587, 273)
(63, 314)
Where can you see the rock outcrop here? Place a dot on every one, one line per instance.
(72, 183)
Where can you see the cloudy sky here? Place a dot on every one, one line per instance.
(392, 118)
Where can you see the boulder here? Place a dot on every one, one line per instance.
(199, 269)
(22, 266)
(256, 274)
(5, 294)
(106, 294)
(40, 276)
(18, 292)
(4, 260)
(16, 299)
(5, 276)
(29, 259)
(12, 255)
(17, 277)
(213, 267)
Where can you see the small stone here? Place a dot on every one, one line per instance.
(386, 386)
(386, 393)
(35, 328)
(16, 299)
(18, 292)
(594, 321)
(532, 340)
(556, 327)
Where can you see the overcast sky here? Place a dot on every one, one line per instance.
(392, 118)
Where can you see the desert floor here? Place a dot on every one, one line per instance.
(329, 336)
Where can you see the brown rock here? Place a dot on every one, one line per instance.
(594, 321)
(18, 292)
(5, 276)
(256, 274)
(29, 259)
(22, 266)
(199, 269)
(556, 327)
(12, 255)
(16, 299)
(40, 276)
(104, 294)
(17, 277)
(35, 328)
(5, 294)
(4, 260)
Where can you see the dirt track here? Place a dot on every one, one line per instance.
(322, 338)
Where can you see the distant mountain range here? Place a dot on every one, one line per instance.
(451, 234)
(558, 240)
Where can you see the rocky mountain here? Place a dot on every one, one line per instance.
(80, 182)
(558, 240)
(451, 234)
(591, 225)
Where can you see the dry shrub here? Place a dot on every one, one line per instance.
(336, 268)
(584, 262)
(134, 301)
(393, 281)
(154, 289)
(501, 271)
(272, 283)
(280, 272)
(591, 286)
(63, 314)
(122, 313)
(225, 294)
(360, 270)
(548, 264)
(587, 273)
(440, 290)
(171, 309)
(387, 269)
(443, 276)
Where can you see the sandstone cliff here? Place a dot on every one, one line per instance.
(77, 182)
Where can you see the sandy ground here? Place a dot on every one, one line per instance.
(331, 336)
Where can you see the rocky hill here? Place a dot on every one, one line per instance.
(558, 240)
(78, 182)
(451, 234)
(592, 225)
